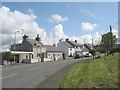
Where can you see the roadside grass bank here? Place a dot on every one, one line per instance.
(98, 73)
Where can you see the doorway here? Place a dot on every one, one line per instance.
(17, 58)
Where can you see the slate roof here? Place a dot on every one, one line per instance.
(33, 42)
(73, 43)
(85, 49)
(67, 44)
(89, 46)
(50, 48)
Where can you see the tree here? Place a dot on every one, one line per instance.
(108, 41)
(7, 56)
(93, 52)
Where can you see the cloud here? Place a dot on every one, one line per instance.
(57, 18)
(115, 32)
(86, 26)
(4, 48)
(11, 21)
(58, 33)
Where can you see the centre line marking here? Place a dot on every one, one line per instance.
(9, 76)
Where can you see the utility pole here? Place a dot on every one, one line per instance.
(22, 38)
(15, 45)
(92, 41)
(111, 46)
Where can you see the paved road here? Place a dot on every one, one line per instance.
(32, 75)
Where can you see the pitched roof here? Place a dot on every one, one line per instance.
(89, 46)
(73, 43)
(50, 48)
(33, 42)
(67, 44)
(85, 49)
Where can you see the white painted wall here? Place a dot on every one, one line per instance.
(63, 48)
(50, 55)
(22, 56)
(71, 51)
(35, 60)
(47, 59)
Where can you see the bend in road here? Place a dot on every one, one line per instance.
(32, 75)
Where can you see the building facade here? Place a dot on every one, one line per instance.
(31, 51)
(70, 48)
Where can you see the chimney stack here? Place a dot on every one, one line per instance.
(67, 39)
(38, 38)
(25, 37)
(54, 45)
(60, 40)
(76, 41)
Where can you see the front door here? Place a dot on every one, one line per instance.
(17, 58)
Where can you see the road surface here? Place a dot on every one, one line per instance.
(33, 75)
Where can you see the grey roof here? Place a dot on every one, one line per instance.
(73, 43)
(85, 49)
(89, 46)
(50, 48)
(67, 44)
(33, 42)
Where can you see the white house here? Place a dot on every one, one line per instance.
(31, 50)
(70, 48)
(66, 48)
(53, 52)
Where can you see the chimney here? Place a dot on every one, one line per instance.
(25, 37)
(67, 39)
(76, 41)
(54, 45)
(60, 40)
(38, 38)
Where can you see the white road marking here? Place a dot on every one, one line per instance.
(9, 76)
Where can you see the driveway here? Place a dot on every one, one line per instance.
(35, 75)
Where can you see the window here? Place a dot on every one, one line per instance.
(37, 55)
(53, 55)
(49, 55)
(32, 56)
(70, 49)
(46, 55)
(26, 56)
(73, 53)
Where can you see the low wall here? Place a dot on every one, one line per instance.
(35, 60)
(47, 59)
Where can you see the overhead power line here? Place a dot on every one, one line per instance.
(116, 23)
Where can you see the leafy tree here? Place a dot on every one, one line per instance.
(7, 56)
(108, 41)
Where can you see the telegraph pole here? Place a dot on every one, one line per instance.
(92, 41)
(111, 46)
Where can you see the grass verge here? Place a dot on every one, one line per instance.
(99, 73)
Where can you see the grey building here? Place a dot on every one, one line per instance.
(30, 50)
(71, 48)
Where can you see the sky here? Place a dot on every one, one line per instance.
(81, 21)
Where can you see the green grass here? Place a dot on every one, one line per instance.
(99, 73)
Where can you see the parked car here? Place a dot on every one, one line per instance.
(78, 56)
(87, 55)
